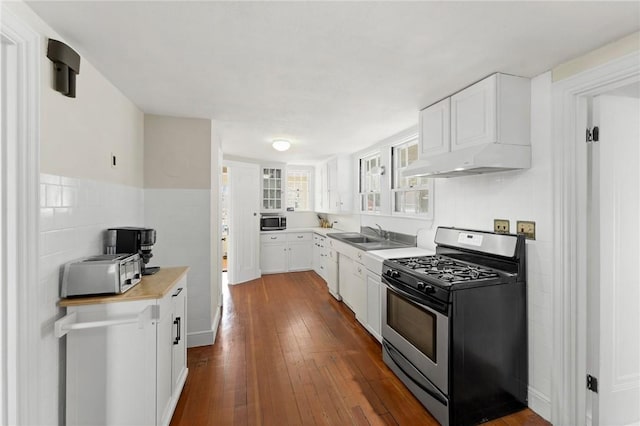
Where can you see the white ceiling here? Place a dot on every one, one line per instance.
(331, 76)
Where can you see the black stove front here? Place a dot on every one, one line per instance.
(467, 305)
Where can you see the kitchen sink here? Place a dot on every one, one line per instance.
(361, 239)
(365, 242)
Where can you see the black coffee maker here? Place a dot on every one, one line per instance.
(130, 239)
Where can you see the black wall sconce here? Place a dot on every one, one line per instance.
(66, 63)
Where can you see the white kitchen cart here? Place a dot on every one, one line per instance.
(126, 354)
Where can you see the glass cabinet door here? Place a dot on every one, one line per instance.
(272, 188)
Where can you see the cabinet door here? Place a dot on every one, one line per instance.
(165, 354)
(374, 308)
(273, 258)
(273, 181)
(300, 256)
(179, 327)
(359, 291)
(345, 280)
(111, 370)
(332, 273)
(435, 129)
(473, 114)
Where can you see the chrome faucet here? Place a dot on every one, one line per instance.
(379, 232)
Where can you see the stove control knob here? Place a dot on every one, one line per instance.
(393, 274)
(420, 285)
(429, 289)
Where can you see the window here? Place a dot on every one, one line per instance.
(298, 185)
(410, 195)
(370, 172)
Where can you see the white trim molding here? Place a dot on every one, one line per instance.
(568, 399)
(22, 186)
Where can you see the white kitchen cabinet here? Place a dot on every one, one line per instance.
(374, 306)
(320, 254)
(335, 185)
(124, 366)
(273, 188)
(300, 251)
(434, 129)
(273, 253)
(332, 273)
(359, 291)
(346, 280)
(493, 110)
(172, 350)
(286, 252)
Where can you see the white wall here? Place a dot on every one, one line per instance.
(180, 193)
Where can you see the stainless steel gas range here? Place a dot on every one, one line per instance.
(455, 325)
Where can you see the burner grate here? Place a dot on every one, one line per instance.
(445, 269)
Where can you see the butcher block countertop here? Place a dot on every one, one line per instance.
(151, 287)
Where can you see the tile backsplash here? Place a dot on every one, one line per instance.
(73, 216)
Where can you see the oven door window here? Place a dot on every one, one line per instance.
(412, 322)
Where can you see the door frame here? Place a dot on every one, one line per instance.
(20, 254)
(568, 399)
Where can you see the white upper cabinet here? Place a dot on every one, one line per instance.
(473, 115)
(434, 128)
(493, 110)
(273, 185)
(335, 185)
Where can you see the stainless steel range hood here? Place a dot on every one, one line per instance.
(488, 158)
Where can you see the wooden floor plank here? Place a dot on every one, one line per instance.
(287, 353)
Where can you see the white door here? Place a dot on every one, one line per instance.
(615, 309)
(244, 221)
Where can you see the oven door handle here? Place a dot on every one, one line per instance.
(407, 295)
(400, 362)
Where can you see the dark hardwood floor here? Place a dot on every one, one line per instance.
(287, 353)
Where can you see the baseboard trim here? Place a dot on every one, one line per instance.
(540, 403)
(207, 337)
(200, 338)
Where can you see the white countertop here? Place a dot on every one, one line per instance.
(317, 230)
(374, 258)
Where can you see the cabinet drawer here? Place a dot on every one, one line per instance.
(299, 236)
(273, 238)
(359, 270)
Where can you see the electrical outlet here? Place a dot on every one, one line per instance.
(501, 226)
(527, 228)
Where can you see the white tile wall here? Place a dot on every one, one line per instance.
(181, 218)
(73, 215)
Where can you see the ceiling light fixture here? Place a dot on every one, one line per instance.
(281, 144)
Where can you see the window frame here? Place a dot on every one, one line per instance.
(394, 178)
(364, 189)
(309, 175)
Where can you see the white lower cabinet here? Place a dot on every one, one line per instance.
(126, 359)
(374, 305)
(332, 273)
(273, 253)
(320, 255)
(286, 252)
(359, 292)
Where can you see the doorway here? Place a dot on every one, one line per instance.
(613, 284)
(243, 206)
(592, 300)
(19, 221)
(224, 219)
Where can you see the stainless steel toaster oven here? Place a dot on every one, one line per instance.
(102, 274)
